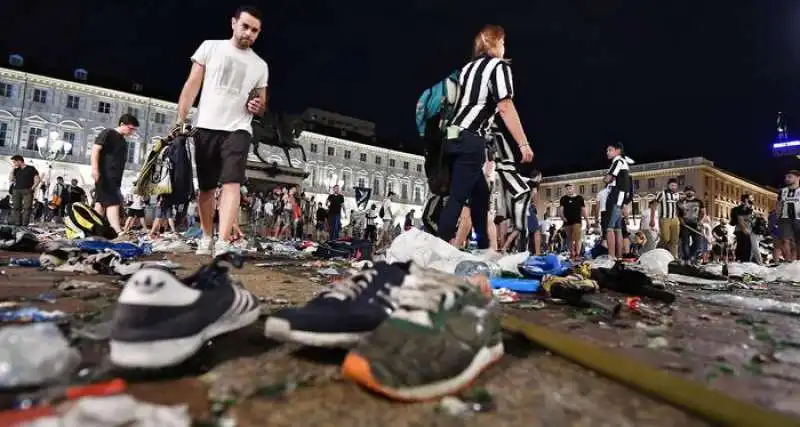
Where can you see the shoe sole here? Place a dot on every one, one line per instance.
(357, 368)
(281, 330)
(165, 353)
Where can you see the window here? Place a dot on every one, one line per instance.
(391, 163)
(404, 191)
(635, 208)
(417, 194)
(389, 187)
(419, 168)
(73, 102)
(681, 180)
(594, 188)
(70, 137)
(5, 90)
(133, 111)
(362, 157)
(593, 210)
(331, 151)
(104, 107)
(362, 182)
(3, 134)
(558, 192)
(347, 154)
(405, 165)
(377, 160)
(651, 183)
(40, 96)
(635, 185)
(33, 134)
(313, 148)
(376, 186)
(708, 182)
(345, 180)
(131, 152)
(548, 193)
(160, 118)
(581, 189)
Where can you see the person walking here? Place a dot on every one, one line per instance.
(486, 88)
(25, 179)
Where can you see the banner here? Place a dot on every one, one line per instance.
(362, 197)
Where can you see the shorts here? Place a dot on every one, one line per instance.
(165, 212)
(615, 218)
(789, 229)
(574, 233)
(220, 157)
(136, 213)
(107, 193)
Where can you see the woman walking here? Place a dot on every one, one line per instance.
(486, 88)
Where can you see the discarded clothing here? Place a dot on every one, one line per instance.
(117, 411)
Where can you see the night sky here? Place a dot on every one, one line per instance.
(670, 79)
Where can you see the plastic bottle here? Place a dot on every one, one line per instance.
(470, 268)
(23, 262)
(34, 354)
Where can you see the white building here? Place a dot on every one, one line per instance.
(33, 105)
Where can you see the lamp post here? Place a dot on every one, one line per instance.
(52, 148)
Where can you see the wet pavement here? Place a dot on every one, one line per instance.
(749, 355)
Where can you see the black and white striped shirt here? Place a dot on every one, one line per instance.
(668, 204)
(789, 203)
(620, 184)
(483, 83)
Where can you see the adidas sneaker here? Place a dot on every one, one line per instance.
(205, 246)
(343, 315)
(161, 320)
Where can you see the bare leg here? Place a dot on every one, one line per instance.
(112, 213)
(205, 208)
(228, 209)
(611, 241)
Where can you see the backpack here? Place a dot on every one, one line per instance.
(180, 172)
(381, 212)
(82, 222)
(435, 110)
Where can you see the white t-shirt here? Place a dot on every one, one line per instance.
(137, 202)
(602, 196)
(387, 210)
(268, 208)
(230, 75)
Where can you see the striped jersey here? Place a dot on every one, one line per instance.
(620, 184)
(668, 204)
(789, 203)
(483, 83)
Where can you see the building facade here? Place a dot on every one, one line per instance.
(32, 106)
(720, 190)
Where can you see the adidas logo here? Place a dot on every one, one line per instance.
(148, 285)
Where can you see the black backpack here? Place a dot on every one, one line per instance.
(181, 175)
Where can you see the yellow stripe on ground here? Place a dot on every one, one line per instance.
(713, 406)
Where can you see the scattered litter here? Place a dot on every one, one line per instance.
(117, 411)
(28, 315)
(34, 354)
(751, 303)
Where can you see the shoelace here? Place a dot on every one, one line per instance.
(421, 294)
(353, 286)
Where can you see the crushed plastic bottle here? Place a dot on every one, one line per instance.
(470, 268)
(34, 354)
(24, 262)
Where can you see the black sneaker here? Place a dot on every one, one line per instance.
(161, 320)
(343, 315)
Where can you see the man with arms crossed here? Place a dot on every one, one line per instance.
(228, 72)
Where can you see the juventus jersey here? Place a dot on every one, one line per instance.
(788, 199)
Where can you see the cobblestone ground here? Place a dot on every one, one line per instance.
(730, 350)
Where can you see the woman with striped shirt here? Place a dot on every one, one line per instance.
(486, 88)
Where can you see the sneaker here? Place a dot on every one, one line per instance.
(161, 320)
(223, 247)
(205, 246)
(443, 334)
(343, 315)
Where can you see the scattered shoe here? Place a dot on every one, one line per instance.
(222, 247)
(444, 332)
(343, 315)
(205, 246)
(161, 320)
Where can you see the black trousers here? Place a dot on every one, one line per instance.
(467, 154)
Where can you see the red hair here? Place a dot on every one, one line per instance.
(487, 39)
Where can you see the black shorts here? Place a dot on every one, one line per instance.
(107, 193)
(136, 213)
(220, 157)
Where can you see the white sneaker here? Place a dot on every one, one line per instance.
(223, 247)
(205, 246)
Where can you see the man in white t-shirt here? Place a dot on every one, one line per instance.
(234, 88)
(388, 220)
